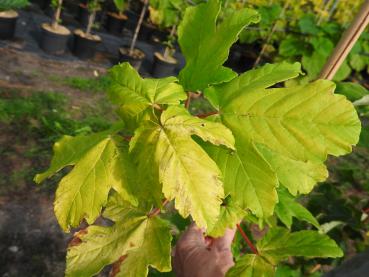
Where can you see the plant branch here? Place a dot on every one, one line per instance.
(127, 138)
(204, 115)
(157, 107)
(57, 14)
(248, 241)
(157, 211)
(168, 49)
(188, 100)
(138, 27)
(270, 35)
(91, 20)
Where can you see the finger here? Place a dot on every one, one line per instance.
(224, 243)
(190, 240)
(193, 236)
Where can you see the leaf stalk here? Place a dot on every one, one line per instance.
(247, 240)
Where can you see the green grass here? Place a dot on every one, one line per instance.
(94, 85)
(30, 123)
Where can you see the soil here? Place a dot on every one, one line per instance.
(137, 54)
(118, 16)
(31, 241)
(82, 34)
(8, 14)
(168, 59)
(59, 29)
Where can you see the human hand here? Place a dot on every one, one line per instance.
(199, 256)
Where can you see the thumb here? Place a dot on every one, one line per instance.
(193, 236)
(224, 243)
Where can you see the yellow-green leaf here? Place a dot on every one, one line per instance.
(101, 162)
(186, 172)
(251, 265)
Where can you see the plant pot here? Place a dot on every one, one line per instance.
(136, 6)
(135, 60)
(163, 67)
(54, 41)
(146, 32)
(71, 7)
(50, 12)
(43, 4)
(85, 46)
(83, 15)
(159, 35)
(8, 23)
(115, 23)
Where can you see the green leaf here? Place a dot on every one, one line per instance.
(165, 13)
(247, 177)
(120, 5)
(364, 137)
(286, 271)
(251, 266)
(307, 25)
(352, 91)
(287, 208)
(205, 43)
(322, 45)
(260, 78)
(314, 63)
(357, 62)
(230, 215)
(138, 97)
(68, 151)
(279, 244)
(291, 46)
(101, 162)
(186, 172)
(287, 126)
(343, 72)
(155, 251)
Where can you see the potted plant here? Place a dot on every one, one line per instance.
(85, 42)
(130, 53)
(117, 20)
(166, 14)
(43, 4)
(165, 63)
(9, 16)
(54, 37)
(83, 14)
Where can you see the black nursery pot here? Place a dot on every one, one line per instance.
(146, 32)
(85, 48)
(115, 24)
(43, 4)
(7, 26)
(83, 15)
(235, 56)
(135, 60)
(161, 67)
(52, 42)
